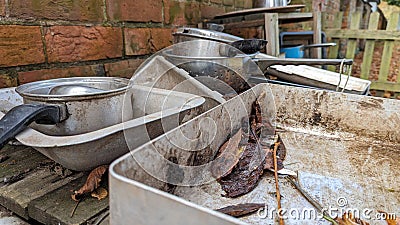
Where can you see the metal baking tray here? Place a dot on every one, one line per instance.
(345, 148)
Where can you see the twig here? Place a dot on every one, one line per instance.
(311, 200)
(278, 194)
(74, 209)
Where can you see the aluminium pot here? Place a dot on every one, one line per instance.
(191, 34)
(210, 40)
(235, 71)
(68, 106)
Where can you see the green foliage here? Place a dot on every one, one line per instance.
(393, 2)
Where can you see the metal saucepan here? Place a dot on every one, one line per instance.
(211, 46)
(67, 106)
(234, 70)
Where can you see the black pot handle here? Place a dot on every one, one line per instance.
(19, 117)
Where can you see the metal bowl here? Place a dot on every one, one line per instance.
(73, 88)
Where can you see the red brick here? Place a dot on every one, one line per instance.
(79, 43)
(248, 4)
(210, 11)
(20, 45)
(45, 74)
(229, 9)
(160, 38)
(143, 41)
(79, 10)
(239, 3)
(181, 13)
(247, 32)
(7, 80)
(125, 68)
(136, 41)
(135, 10)
(228, 2)
(174, 12)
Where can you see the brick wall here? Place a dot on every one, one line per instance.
(43, 39)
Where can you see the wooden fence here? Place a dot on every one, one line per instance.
(366, 39)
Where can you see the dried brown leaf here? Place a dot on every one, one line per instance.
(256, 111)
(92, 182)
(100, 193)
(246, 174)
(241, 209)
(229, 154)
(269, 160)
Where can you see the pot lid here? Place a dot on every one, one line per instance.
(207, 34)
(73, 87)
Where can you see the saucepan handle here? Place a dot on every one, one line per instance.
(265, 63)
(322, 45)
(19, 117)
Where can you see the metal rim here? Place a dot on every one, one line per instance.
(169, 53)
(207, 34)
(25, 89)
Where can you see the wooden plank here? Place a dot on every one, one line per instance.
(352, 43)
(398, 76)
(364, 34)
(333, 51)
(369, 47)
(317, 38)
(17, 196)
(21, 158)
(272, 33)
(244, 24)
(286, 9)
(387, 86)
(297, 16)
(388, 49)
(56, 207)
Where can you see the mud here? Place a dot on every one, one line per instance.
(335, 169)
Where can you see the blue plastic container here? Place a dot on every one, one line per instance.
(293, 52)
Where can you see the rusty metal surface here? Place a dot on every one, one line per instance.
(345, 148)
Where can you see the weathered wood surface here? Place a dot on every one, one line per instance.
(256, 20)
(56, 207)
(281, 9)
(369, 47)
(388, 49)
(36, 188)
(272, 33)
(364, 34)
(371, 35)
(352, 43)
(317, 37)
(333, 51)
